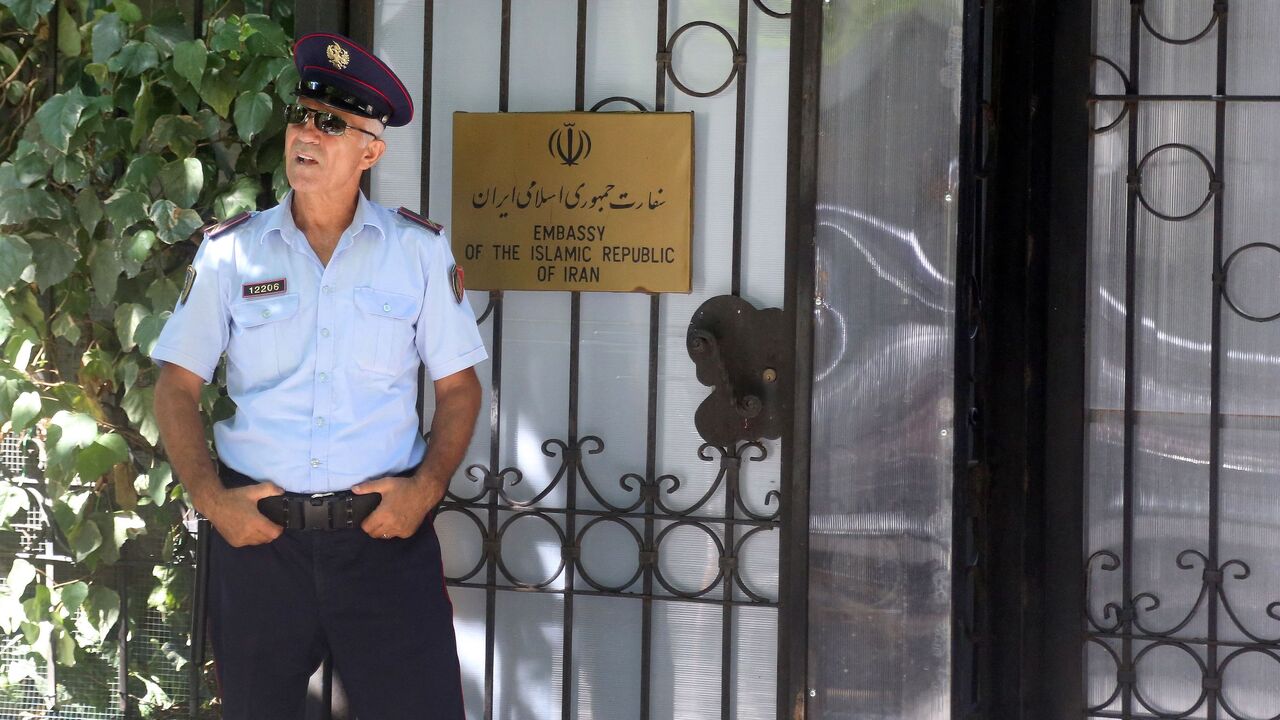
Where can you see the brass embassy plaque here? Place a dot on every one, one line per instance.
(573, 201)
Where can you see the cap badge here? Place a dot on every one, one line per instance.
(338, 57)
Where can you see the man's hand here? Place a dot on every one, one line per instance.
(234, 512)
(405, 504)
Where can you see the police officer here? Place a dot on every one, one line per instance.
(322, 499)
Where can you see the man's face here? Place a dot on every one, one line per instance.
(322, 164)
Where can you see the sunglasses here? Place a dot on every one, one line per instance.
(326, 122)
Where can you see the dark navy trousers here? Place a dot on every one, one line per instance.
(378, 607)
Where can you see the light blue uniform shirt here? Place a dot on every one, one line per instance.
(323, 364)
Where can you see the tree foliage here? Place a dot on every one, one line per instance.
(120, 136)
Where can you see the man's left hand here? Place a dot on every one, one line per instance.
(405, 504)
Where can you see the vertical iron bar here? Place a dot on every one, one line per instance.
(122, 643)
(495, 405)
(1215, 356)
(732, 478)
(199, 614)
(575, 454)
(802, 184)
(1130, 370)
(739, 141)
(424, 168)
(651, 427)
(197, 19)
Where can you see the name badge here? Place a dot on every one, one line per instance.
(263, 289)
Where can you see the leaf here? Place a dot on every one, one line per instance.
(261, 71)
(69, 39)
(226, 38)
(167, 30)
(65, 327)
(241, 196)
(55, 258)
(135, 250)
(143, 109)
(28, 12)
(108, 37)
(72, 596)
(21, 573)
(173, 224)
(189, 60)
(25, 409)
(15, 256)
(148, 332)
(30, 168)
(179, 133)
(138, 406)
(7, 57)
(76, 430)
(98, 72)
(287, 83)
(104, 271)
(158, 479)
(99, 457)
(84, 539)
(182, 180)
(128, 11)
(127, 317)
(101, 610)
(218, 88)
(252, 112)
(126, 207)
(134, 59)
(13, 500)
(6, 322)
(141, 172)
(26, 204)
(89, 210)
(64, 646)
(59, 116)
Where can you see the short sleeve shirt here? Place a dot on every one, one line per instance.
(322, 360)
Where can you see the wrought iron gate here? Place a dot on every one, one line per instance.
(1182, 516)
(604, 561)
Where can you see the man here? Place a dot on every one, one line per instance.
(324, 306)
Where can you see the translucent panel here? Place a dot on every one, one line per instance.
(606, 658)
(1252, 355)
(1174, 285)
(1111, 32)
(753, 672)
(764, 197)
(1252, 51)
(1104, 505)
(395, 179)
(1169, 68)
(1107, 262)
(881, 476)
(1250, 528)
(1171, 515)
(528, 660)
(1169, 680)
(685, 678)
(468, 626)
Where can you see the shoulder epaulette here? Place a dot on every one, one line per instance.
(414, 217)
(214, 229)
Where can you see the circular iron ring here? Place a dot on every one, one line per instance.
(1208, 168)
(582, 568)
(657, 566)
(1146, 22)
(1137, 694)
(771, 12)
(1226, 275)
(479, 526)
(502, 566)
(1128, 89)
(1222, 673)
(671, 63)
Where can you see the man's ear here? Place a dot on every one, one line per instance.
(372, 153)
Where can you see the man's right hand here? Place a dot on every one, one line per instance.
(234, 512)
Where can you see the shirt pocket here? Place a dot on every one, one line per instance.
(264, 348)
(384, 331)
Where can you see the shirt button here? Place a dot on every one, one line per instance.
(324, 377)
(319, 422)
(328, 289)
(266, 313)
(315, 462)
(386, 307)
(324, 332)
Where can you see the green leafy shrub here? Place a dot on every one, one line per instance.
(120, 136)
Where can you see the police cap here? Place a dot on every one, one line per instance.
(336, 71)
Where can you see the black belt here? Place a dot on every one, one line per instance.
(324, 511)
(301, 511)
